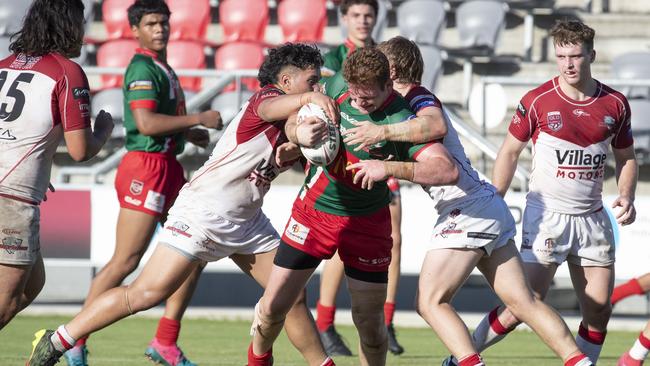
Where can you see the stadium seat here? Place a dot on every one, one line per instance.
(186, 55)
(479, 24)
(421, 20)
(302, 21)
(432, 57)
(229, 103)
(243, 20)
(115, 19)
(632, 66)
(189, 19)
(116, 53)
(240, 55)
(111, 101)
(640, 109)
(380, 25)
(12, 13)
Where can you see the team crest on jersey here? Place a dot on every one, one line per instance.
(24, 62)
(609, 122)
(580, 113)
(136, 187)
(554, 121)
(516, 120)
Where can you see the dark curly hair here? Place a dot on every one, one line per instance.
(300, 55)
(51, 26)
(141, 8)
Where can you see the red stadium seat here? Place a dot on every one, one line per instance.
(116, 53)
(240, 55)
(302, 21)
(115, 19)
(186, 55)
(189, 19)
(243, 20)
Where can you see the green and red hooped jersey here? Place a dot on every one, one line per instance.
(330, 189)
(151, 83)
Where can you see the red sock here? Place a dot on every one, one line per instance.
(629, 288)
(167, 333)
(324, 316)
(578, 360)
(261, 360)
(81, 342)
(328, 362)
(389, 312)
(471, 360)
(495, 323)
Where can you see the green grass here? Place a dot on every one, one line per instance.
(211, 342)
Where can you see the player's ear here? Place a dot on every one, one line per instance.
(285, 80)
(592, 56)
(135, 31)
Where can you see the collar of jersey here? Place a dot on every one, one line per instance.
(144, 51)
(345, 96)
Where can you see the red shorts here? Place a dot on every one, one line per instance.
(363, 242)
(148, 182)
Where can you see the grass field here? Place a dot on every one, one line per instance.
(223, 343)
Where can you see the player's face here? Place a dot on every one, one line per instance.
(360, 19)
(574, 63)
(367, 99)
(300, 81)
(153, 32)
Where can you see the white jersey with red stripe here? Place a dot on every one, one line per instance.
(233, 182)
(470, 185)
(570, 144)
(40, 98)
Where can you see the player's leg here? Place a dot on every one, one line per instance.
(330, 282)
(35, 283)
(12, 289)
(394, 273)
(165, 271)
(443, 272)
(299, 323)
(635, 286)
(504, 271)
(639, 351)
(593, 286)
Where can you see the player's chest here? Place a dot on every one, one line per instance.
(383, 150)
(579, 125)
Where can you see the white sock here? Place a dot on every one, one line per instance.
(638, 351)
(485, 334)
(61, 339)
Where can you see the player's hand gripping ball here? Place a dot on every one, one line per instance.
(323, 152)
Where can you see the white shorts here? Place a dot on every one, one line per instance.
(584, 240)
(19, 232)
(483, 222)
(209, 237)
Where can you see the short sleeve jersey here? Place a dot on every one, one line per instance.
(469, 185)
(330, 189)
(40, 98)
(570, 144)
(242, 165)
(150, 83)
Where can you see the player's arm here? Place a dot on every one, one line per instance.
(150, 123)
(85, 143)
(627, 171)
(432, 166)
(506, 163)
(281, 107)
(306, 132)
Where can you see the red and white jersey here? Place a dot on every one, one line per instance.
(40, 98)
(240, 169)
(470, 185)
(570, 144)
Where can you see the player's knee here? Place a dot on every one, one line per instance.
(8, 311)
(598, 314)
(371, 327)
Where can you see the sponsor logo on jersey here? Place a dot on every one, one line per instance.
(179, 228)
(374, 261)
(526, 244)
(522, 109)
(296, 231)
(136, 187)
(81, 93)
(141, 85)
(263, 174)
(549, 243)
(85, 109)
(11, 244)
(24, 62)
(11, 232)
(133, 201)
(580, 113)
(578, 158)
(515, 119)
(347, 118)
(6, 135)
(155, 201)
(449, 229)
(554, 121)
(609, 122)
(480, 235)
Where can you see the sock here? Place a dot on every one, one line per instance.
(639, 350)
(489, 331)
(168, 330)
(389, 312)
(61, 340)
(328, 362)
(579, 360)
(471, 360)
(261, 360)
(629, 288)
(324, 316)
(81, 341)
(590, 342)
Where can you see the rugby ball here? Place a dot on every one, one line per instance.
(324, 152)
